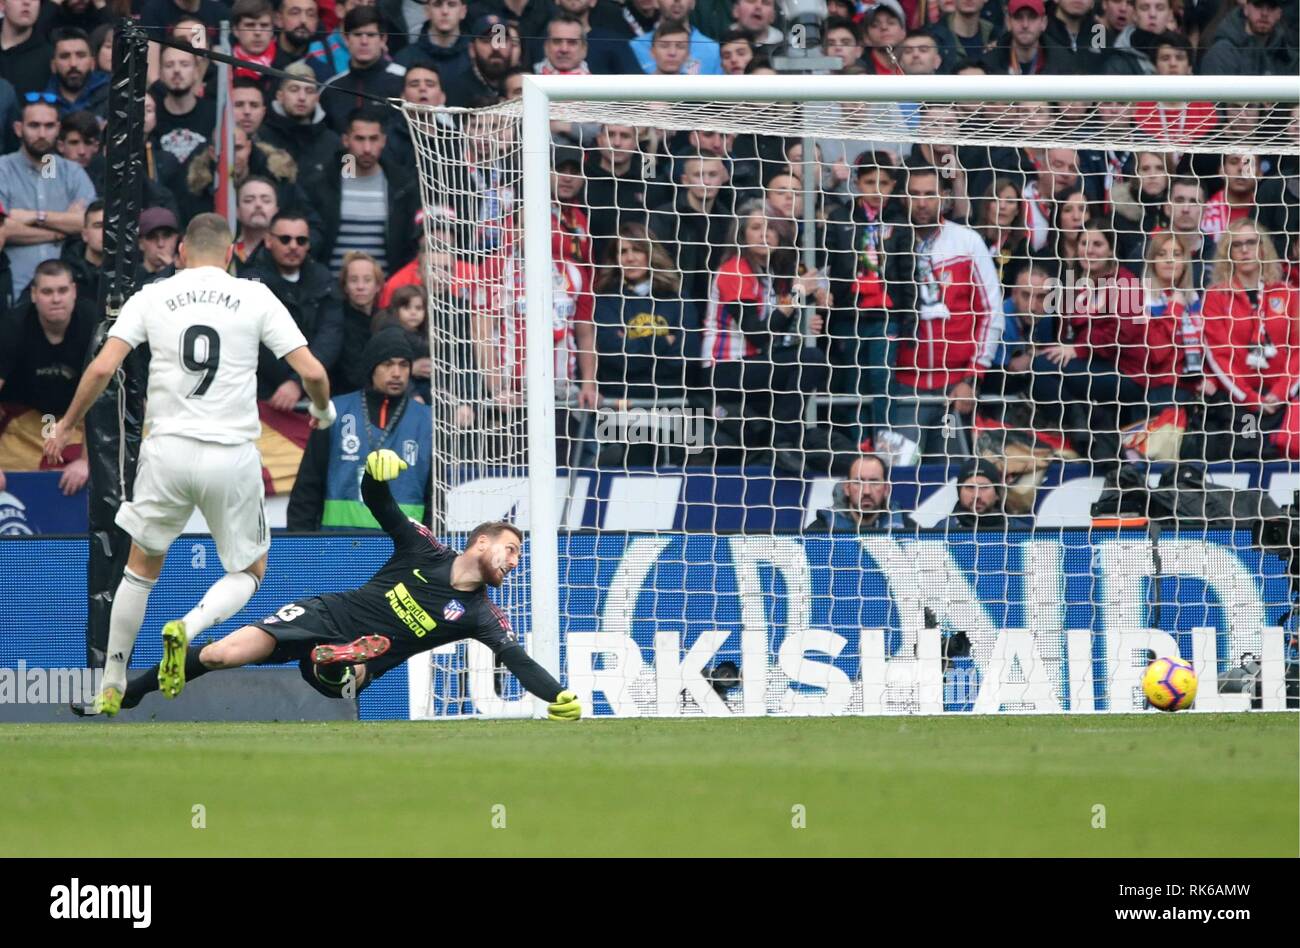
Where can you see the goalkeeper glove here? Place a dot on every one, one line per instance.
(384, 465)
(323, 418)
(565, 707)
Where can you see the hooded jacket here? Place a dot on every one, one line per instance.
(1236, 51)
(312, 145)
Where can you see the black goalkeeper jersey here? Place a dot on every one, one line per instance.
(411, 600)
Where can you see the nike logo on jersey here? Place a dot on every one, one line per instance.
(419, 577)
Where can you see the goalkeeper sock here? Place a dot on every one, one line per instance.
(124, 625)
(226, 596)
(147, 682)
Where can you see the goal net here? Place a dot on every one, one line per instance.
(816, 402)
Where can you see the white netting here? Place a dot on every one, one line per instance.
(993, 316)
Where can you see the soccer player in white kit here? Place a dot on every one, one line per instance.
(203, 327)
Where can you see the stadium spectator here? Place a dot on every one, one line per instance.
(190, 29)
(251, 158)
(695, 225)
(1252, 40)
(185, 122)
(944, 290)
(981, 494)
(44, 340)
(759, 368)
(159, 237)
(367, 203)
(1252, 344)
(885, 27)
(101, 45)
(252, 27)
(76, 82)
(310, 294)
(296, 124)
(1021, 52)
(296, 25)
(1138, 201)
(1029, 325)
(79, 141)
(441, 45)
(963, 35)
(489, 61)
(1056, 173)
(756, 19)
(421, 85)
(164, 178)
(919, 56)
(1080, 377)
(248, 102)
(702, 56)
(1183, 211)
(842, 38)
(84, 254)
(326, 494)
(644, 330)
(256, 205)
(328, 56)
(860, 501)
(370, 70)
(735, 52)
(565, 48)
(6, 277)
(85, 15)
(670, 50)
(861, 329)
(615, 190)
(408, 311)
(1133, 52)
(527, 18)
(1069, 214)
(1178, 122)
(44, 194)
(1245, 193)
(1172, 301)
(25, 52)
(1070, 30)
(999, 217)
(8, 116)
(608, 51)
(360, 279)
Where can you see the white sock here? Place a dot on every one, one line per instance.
(227, 596)
(124, 625)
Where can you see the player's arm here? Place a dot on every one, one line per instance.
(317, 383)
(382, 466)
(494, 632)
(93, 382)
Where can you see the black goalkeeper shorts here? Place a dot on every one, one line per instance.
(298, 627)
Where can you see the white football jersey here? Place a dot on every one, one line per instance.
(203, 327)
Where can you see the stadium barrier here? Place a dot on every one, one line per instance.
(677, 624)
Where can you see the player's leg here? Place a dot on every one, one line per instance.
(153, 518)
(244, 646)
(230, 494)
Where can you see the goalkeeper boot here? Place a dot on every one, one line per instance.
(362, 650)
(171, 670)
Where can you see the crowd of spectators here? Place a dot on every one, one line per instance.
(1088, 296)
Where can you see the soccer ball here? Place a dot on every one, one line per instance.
(1170, 684)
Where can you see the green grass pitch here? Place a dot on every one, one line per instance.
(1171, 785)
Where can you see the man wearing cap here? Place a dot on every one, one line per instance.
(296, 123)
(159, 235)
(1253, 40)
(45, 194)
(1021, 51)
(489, 61)
(980, 496)
(327, 492)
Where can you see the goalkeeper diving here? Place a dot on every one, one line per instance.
(425, 596)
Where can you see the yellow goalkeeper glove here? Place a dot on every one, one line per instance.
(384, 465)
(565, 707)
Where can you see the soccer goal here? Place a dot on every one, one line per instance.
(863, 395)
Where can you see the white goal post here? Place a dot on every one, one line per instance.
(777, 105)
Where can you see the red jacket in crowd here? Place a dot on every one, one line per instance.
(1150, 342)
(1252, 350)
(1093, 321)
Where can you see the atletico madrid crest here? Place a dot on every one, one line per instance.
(453, 610)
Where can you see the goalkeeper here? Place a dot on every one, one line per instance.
(425, 596)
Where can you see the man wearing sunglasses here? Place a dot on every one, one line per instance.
(24, 51)
(46, 194)
(312, 297)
